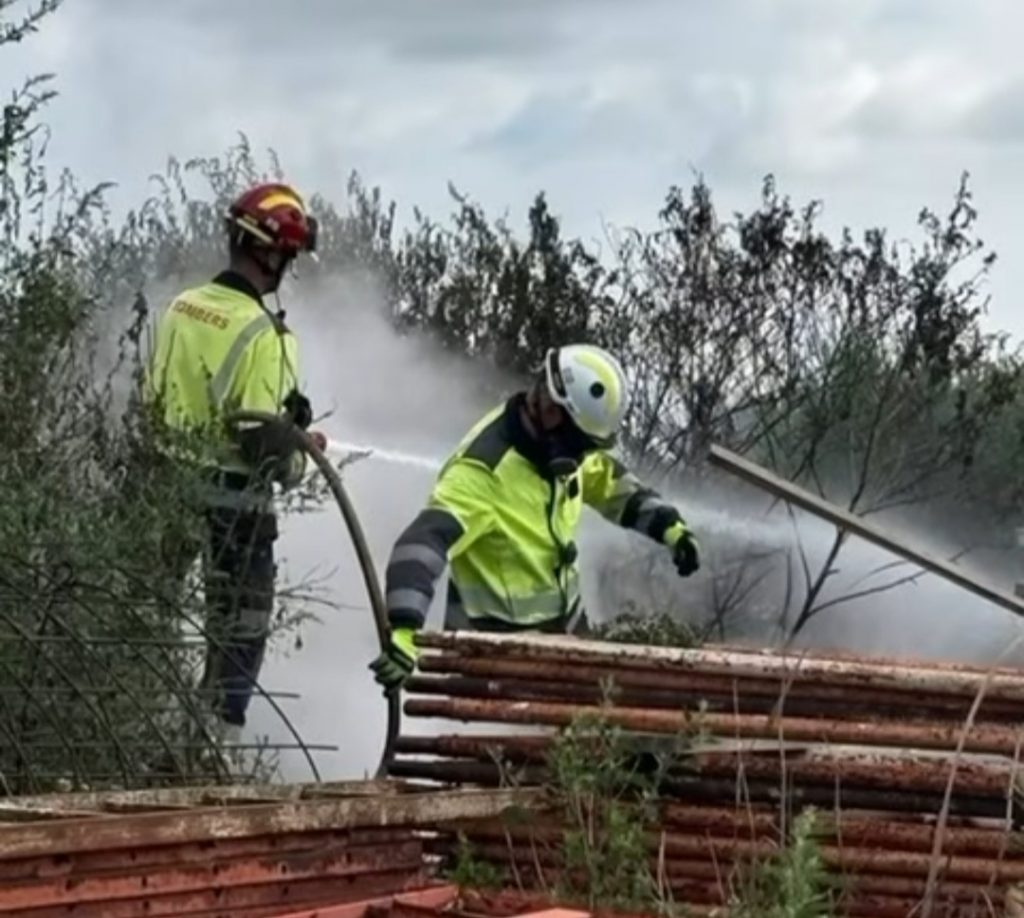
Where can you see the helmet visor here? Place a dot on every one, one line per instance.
(556, 384)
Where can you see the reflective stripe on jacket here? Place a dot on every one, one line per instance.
(507, 529)
(218, 350)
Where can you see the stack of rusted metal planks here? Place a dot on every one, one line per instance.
(244, 852)
(912, 765)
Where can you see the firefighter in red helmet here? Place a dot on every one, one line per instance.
(219, 349)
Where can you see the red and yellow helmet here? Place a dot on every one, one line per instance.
(276, 216)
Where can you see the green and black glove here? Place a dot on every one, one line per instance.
(397, 663)
(685, 549)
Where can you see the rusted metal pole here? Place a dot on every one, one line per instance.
(703, 791)
(802, 703)
(856, 770)
(914, 888)
(558, 649)
(794, 685)
(760, 791)
(729, 696)
(727, 829)
(981, 738)
(863, 771)
(881, 831)
(869, 860)
(846, 521)
(482, 774)
(520, 748)
(912, 863)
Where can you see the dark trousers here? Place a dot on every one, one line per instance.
(237, 551)
(239, 574)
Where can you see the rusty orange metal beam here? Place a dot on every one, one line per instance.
(141, 857)
(240, 900)
(222, 877)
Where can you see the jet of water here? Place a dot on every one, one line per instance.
(385, 455)
(703, 517)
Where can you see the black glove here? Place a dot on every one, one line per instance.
(299, 409)
(686, 554)
(396, 664)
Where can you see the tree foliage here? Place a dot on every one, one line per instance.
(857, 367)
(101, 627)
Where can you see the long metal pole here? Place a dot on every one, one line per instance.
(1005, 685)
(849, 522)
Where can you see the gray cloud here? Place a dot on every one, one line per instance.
(873, 105)
(999, 117)
(445, 31)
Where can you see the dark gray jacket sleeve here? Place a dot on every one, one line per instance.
(417, 561)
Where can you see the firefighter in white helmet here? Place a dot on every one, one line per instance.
(506, 506)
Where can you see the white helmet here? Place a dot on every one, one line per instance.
(590, 385)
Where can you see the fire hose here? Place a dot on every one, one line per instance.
(377, 606)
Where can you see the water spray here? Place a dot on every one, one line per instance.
(398, 457)
(778, 532)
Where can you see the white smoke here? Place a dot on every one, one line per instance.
(407, 402)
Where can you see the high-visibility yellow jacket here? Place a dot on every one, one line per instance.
(217, 349)
(507, 529)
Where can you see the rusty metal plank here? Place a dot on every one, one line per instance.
(261, 819)
(14, 812)
(184, 797)
(212, 876)
(230, 903)
(138, 859)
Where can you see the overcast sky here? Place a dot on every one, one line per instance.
(875, 106)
